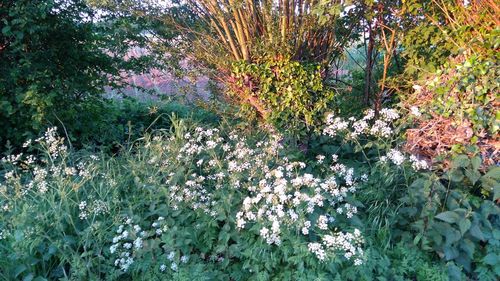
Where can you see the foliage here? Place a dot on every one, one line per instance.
(187, 199)
(292, 94)
(465, 91)
(452, 78)
(400, 262)
(109, 124)
(217, 35)
(450, 28)
(161, 190)
(442, 213)
(53, 57)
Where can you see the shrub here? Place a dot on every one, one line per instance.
(288, 94)
(110, 124)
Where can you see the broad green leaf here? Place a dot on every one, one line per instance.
(452, 235)
(476, 162)
(491, 259)
(456, 175)
(476, 232)
(461, 161)
(468, 247)
(19, 269)
(472, 175)
(494, 173)
(448, 216)
(450, 252)
(464, 225)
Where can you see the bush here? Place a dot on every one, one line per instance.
(287, 94)
(110, 124)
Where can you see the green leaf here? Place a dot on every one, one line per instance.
(491, 259)
(461, 161)
(19, 269)
(454, 272)
(448, 216)
(452, 236)
(6, 30)
(496, 192)
(468, 247)
(464, 225)
(456, 175)
(476, 232)
(494, 173)
(451, 252)
(472, 175)
(476, 162)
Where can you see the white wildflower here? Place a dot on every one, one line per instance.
(163, 267)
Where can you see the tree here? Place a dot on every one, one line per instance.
(53, 57)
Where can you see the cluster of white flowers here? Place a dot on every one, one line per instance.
(317, 249)
(284, 200)
(173, 264)
(82, 206)
(27, 173)
(350, 244)
(364, 126)
(96, 207)
(53, 143)
(418, 164)
(335, 124)
(320, 158)
(415, 111)
(12, 159)
(280, 195)
(398, 158)
(171, 257)
(6, 207)
(193, 193)
(220, 162)
(347, 244)
(381, 127)
(39, 179)
(130, 239)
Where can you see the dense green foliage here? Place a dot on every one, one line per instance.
(465, 91)
(292, 94)
(449, 29)
(378, 164)
(54, 60)
(200, 224)
(453, 215)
